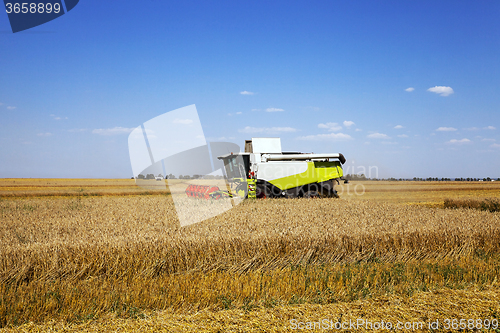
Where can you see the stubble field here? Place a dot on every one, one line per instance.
(104, 255)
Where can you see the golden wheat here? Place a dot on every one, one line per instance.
(83, 258)
(489, 204)
(440, 304)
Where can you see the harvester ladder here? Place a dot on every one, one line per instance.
(252, 185)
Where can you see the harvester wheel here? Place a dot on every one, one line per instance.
(261, 191)
(311, 194)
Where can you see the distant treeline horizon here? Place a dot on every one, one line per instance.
(348, 177)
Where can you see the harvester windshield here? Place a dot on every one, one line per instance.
(237, 166)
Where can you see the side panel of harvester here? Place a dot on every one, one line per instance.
(287, 175)
(283, 174)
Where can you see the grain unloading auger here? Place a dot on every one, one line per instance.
(265, 171)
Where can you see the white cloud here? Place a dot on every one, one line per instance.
(378, 136)
(239, 112)
(398, 126)
(246, 93)
(495, 145)
(402, 136)
(446, 129)
(462, 141)
(441, 90)
(330, 126)
(274, 110)
(44, 134)
(410, 89)
(112, 131)
(183, 121)
(359, 130)
(1, 104)
(348, 123)
(11, 107)
(255, 109)
(249, 129)
(57, 117)
(477, 129)
(326, 137)
(488, 140)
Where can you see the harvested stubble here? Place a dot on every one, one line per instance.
(78, 259)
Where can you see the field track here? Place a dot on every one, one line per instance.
(378, 190)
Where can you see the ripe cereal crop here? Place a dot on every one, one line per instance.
(114, 260)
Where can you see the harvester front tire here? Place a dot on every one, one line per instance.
(262, 192)
(311, 194)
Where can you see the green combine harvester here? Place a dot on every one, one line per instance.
(264, 171)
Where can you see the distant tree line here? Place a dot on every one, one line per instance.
(432, 179)
(428, 179)
(488, 179)
(355, 177)
(171, 176)
(348, 177)
(148, 176)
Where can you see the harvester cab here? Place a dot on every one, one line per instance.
(264, 171)
(236, 166)
(239, 175)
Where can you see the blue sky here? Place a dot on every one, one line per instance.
(72, 89)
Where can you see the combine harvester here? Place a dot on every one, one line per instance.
(265, 171)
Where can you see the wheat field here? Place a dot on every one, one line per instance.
(113, 262)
